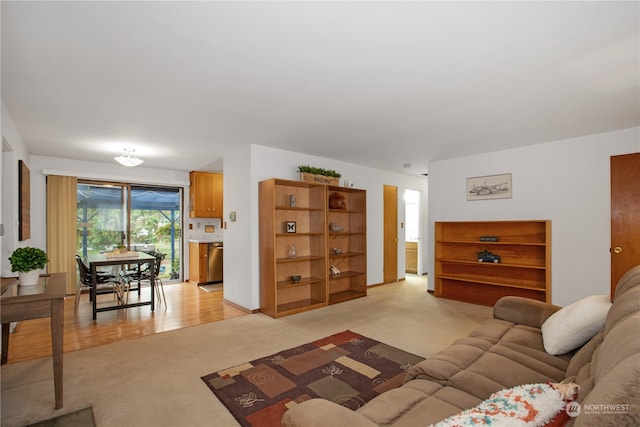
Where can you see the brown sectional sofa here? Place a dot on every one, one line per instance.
(504, 352)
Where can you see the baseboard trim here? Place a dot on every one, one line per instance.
(239, 307)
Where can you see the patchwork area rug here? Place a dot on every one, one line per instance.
(346, 368)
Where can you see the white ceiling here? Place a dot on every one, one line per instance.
(374, 83)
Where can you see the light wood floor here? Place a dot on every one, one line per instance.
(187, 305)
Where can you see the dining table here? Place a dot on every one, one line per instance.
(119, 259)
(46, 299)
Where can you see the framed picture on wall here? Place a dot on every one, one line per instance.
(24, 201)
(489, 187)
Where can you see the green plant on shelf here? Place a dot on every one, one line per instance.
(318, 171)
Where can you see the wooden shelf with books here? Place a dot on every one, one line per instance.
(482, 261)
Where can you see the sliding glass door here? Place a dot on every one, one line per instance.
(140, 218)
(102, 217)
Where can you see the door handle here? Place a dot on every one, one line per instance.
(617, 250)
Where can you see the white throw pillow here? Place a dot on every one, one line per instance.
(575, 324)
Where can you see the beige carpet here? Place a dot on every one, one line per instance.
(155, 380)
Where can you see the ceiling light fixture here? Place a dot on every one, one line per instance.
(128, 158)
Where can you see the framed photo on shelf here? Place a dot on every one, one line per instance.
(290, 226)
(489, 187)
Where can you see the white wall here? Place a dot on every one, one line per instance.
(241, 236)
(9, 206)
(250, 165)
(567, 182)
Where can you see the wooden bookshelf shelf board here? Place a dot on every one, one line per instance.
(524, 268)
(299, 306)
(338, 297)
(346, 274)
(300, 259)
(303, 282)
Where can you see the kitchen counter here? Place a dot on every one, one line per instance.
(212, 240)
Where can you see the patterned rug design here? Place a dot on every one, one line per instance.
(346, 368)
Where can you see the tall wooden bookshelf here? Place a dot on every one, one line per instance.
(314, 244)
(524, 268)
(347, 248)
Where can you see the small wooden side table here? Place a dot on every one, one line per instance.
(46, 299)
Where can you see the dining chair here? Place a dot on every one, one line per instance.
(142, 273)
(106, 282)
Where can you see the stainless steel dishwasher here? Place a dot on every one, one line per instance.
(215, 255)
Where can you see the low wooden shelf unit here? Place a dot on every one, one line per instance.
(524, 268)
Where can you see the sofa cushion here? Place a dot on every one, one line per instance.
(509, 369)
(621, 342)
(629, 280)
(613, 401)
(583, 357)
(622, 308)
(523, 311)
(575, 324)
(492, 330)
(552, 367)
(388, 407)
(448, 362)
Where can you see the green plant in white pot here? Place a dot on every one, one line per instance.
(28, 262)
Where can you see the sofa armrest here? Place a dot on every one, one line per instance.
(321, 412)
(523, 311)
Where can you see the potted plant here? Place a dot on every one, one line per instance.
(27, 262)
(319, 175)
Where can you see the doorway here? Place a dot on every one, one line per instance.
(390, 239)
(412, 230)
(625, 215)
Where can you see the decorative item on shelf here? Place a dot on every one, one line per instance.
(487, 256)
(489, 238)
(27, 262)
(334, 271)
(292, 200)
(296, 278)
(290, 226)
(335, 227)
(337, 250)
(293, 252)
(318, 175)
(337, 200)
